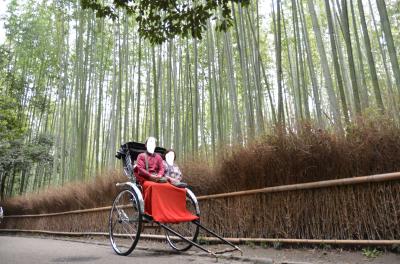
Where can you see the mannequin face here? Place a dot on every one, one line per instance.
(169, 158)
(151, 145)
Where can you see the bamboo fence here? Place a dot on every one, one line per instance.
(361, 210)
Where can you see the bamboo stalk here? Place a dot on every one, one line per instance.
(230, 239)
(283, 188)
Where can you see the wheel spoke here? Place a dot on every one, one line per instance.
(124, 222)
(187, 229)
(113, 225)
(131, 237)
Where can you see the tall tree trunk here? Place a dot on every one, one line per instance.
(362, 80)
(371, 62)
(335, 59)
(137, 137)
(195, 109)
(389, 41)
(389, 84)
(347, 38)
(237, 132)
(325, 68)
(278, 50)
(155, 85)
(311, 68)
(303, 87)
(211, 87)
(242, 48)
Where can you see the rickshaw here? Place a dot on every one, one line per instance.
(127, 218)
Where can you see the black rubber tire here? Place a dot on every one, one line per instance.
(125, 220)
(191, 230)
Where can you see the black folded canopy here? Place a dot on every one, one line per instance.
(135, 148)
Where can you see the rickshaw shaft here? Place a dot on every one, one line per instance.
(187, 240)
(218, 236)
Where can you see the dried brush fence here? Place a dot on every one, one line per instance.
(365, 210)
(341, 211)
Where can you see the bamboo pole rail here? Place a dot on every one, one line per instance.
(310, 185)
(230, 239)
(283, 188)
(98, 209)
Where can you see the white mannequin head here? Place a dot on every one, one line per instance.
(170, 157)
(151, 144)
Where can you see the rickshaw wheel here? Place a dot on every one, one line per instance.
(188, 229)
(125, 222)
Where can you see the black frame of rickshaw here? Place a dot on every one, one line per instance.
(126, 156)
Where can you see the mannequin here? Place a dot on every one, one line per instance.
(170, 158)
(151, 145)
(172, 171)
(163, 202)
(150, 164)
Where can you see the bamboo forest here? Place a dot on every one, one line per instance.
(79, 78)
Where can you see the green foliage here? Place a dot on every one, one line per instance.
(162, 20)
(202, 241)
(371, 252)
(4, 57)
(40, 150)
(395, 248)
(12, 155)
(326, 246)
(264, 245)
(11, 123)
(250, 244)
(277, 245)
(17, 155)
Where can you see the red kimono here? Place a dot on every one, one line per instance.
(163, 201)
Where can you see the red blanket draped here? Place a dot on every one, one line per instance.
(166, 203)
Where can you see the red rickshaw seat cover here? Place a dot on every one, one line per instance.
(166, 203)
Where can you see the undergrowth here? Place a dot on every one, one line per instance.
(312, 154)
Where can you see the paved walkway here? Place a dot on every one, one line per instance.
(36, 249)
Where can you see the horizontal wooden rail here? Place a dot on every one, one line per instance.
(310, 185)
(106, 208)
(283, 188)
(230, 239)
